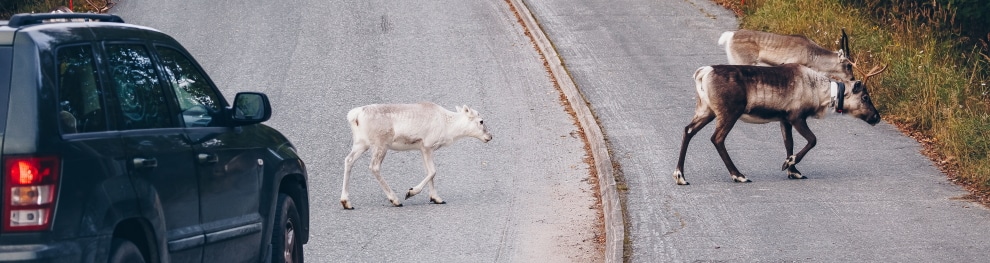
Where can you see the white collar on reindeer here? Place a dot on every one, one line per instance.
(837, 90)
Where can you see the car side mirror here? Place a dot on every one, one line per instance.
(251, 108)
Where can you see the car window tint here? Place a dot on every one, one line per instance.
(197, 98)
(142, 102)
(80, 97)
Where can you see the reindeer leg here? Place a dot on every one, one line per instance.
(377, 156)
(431, 171)
(785, 130)
(356, 151)
(722, 128)
(434, 198)
(792, 172)
(801, 126)
(690, 130)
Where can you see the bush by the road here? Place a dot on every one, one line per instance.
(11, 7)
(970, 17)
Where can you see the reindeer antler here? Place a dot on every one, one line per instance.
(873, 72)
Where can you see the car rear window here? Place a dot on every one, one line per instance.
(80, 102)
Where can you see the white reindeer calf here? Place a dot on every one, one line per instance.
(403, 127)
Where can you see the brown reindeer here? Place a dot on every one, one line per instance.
(748, 47)
(788, 93)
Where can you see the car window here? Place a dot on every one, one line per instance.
(142, 102)
(197, 98)
(80, 97)
(6, 56)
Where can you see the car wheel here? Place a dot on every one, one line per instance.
(285, 239)
(123, 250)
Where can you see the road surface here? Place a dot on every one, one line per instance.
(524, 196)
(871, 196)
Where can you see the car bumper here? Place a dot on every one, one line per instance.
(66, 251)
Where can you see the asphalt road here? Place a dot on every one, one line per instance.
(871, 196)
(522, 197)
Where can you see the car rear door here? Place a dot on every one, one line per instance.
(160, 158)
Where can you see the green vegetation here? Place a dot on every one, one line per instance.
(935, 88)
(11, 7)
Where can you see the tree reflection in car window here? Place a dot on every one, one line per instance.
(197, 99)
(143, 104)
(80, 97)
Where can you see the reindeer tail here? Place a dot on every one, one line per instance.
(352, 116)
(701, 72)
(699, 76)
(724, 39)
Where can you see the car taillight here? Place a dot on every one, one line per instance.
(29, 192)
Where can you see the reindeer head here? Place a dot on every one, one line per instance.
(473, 124)
(856, 100)
(843, 70)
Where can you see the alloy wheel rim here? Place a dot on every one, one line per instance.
(290, 240)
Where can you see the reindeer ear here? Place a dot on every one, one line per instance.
(469, 111)
(844, 45)
(458, 109)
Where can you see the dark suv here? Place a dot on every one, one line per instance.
(116, 146)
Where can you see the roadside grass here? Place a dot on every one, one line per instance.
(935, 87)
(12, 7)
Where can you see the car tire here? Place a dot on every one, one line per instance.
(286, 245)
(124, 251)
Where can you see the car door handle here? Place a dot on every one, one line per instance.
(145, 163)
(206, 158)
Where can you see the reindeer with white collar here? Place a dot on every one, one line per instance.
(789, 93)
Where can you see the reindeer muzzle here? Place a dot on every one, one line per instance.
(873, 119)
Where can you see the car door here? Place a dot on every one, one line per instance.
(229, 168)
(160, 157)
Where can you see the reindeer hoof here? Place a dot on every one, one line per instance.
(395, 201)
(347, 205)
(409, 194)
(740, 179)
(437, 202)
(793, 173)
(789, 162)
(679, 178)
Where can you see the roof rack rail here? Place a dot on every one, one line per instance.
(19, 20)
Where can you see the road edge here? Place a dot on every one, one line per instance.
(611, 206)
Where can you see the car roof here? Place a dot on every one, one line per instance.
(108, 25)
(20, 20)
